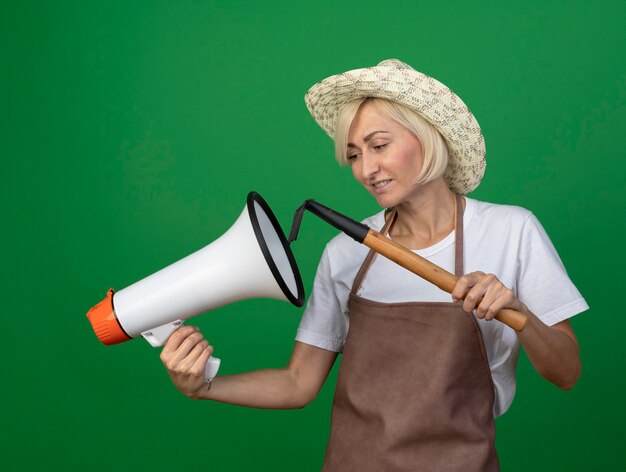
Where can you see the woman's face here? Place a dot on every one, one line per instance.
(385, 157)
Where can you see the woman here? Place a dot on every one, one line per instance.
(422, 375)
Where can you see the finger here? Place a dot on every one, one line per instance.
(200, 365)
(489, 305)
(475, 295)
(190, 359)
(177, 338)
(505, 298)
(187, 346)
(464, 284)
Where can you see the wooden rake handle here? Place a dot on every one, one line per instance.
(431, 272)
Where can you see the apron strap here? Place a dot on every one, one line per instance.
(458, 236)
(390, 218)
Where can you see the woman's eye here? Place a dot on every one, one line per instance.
(380, 147)
(352, 157)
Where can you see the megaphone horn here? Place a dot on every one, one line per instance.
(251, 260)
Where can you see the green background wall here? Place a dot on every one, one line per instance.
(131, 133)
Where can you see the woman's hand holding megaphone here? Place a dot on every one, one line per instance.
(185, 356)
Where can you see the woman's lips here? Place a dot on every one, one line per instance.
(380, 186)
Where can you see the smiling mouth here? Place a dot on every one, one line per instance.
(381, 184)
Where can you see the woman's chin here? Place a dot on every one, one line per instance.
(385, 201)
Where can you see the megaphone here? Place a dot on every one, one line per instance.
(251, 260)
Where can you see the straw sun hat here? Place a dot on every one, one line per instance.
(396, 81)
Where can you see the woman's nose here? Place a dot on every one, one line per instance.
(370, 165)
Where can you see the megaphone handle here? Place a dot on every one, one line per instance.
(211, 368)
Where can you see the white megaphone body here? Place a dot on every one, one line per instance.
(251, 260)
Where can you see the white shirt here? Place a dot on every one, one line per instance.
(507, 241)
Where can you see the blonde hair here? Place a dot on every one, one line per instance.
(433, 144)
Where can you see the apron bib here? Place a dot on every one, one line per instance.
(414, 390)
